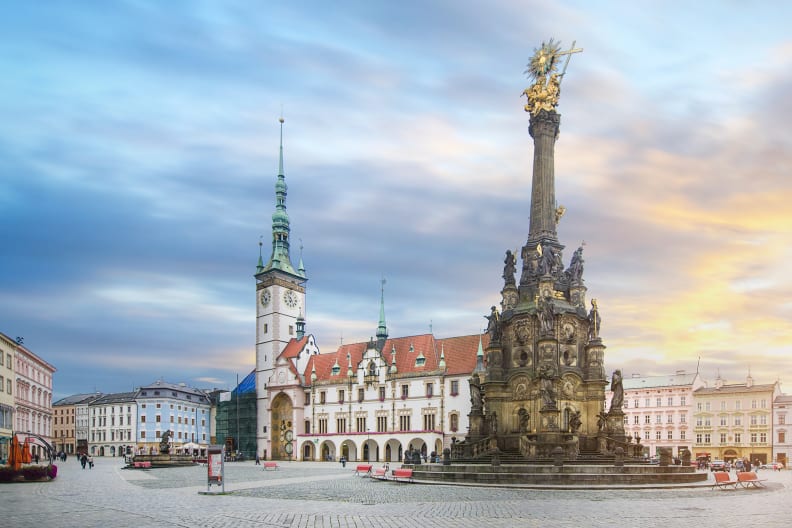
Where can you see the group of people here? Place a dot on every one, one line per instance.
(86, 460)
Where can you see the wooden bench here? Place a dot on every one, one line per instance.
(363, 468)
(403, 475)
(379, 474)
(749, 478)
(723, 479)
(270, 466)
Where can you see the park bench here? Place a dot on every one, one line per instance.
(143, 465)
(379, 474)
(749, 478)
(403, 475)
(363, 468)
(270, 466)
(723, 479)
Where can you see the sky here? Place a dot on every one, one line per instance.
(139, 152)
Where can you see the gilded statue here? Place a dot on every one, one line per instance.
(543, 93)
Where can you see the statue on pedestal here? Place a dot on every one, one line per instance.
(617, 402)
(509, 268)
(493, 326)
(594, 321)
(546, 375)
(475, 394)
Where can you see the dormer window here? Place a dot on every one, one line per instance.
(420, 361)
(336, 369)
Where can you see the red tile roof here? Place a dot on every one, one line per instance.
(460, 356)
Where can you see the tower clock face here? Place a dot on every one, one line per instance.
(266, 296)
(290, 298)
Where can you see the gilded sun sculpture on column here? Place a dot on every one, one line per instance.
(543, 70)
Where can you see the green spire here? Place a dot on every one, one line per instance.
(280, 260)
(382, 330)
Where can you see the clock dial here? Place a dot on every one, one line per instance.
(265, 297)
(290, 298)
(289, 435)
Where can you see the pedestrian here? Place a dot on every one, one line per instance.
(258, 460)
(83, 460)
(90, 462)
(343, 461)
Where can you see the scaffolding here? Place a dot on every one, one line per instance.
(236, 418)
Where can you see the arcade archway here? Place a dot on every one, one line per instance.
(282, 433)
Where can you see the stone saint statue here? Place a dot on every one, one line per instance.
(575, 422)
(509, 268)
(547, 389)
(524, 419)
(494, 424)
(594, 321)
(575, 270)
(493, 327)
(545, 314)
(547, 259)
(475, 393)
(617, 402)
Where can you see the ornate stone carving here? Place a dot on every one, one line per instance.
(522, 331)
(569, 355)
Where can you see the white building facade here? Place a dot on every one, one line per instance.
(782, 443)
(33, 395)
(7, 348)
(112, 424)
(659, 409)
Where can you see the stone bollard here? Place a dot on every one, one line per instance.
(619, 452)
(446, 457)
(558, 456)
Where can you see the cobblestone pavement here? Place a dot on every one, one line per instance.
(327, 496)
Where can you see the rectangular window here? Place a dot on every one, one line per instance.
(723, 405)
(658, 435)
(322, 425)
(341, 396)
(763, 420)
(763, 438)
(307, 400)
(682, 400)
(307, 427)
(753, 438)
(658, 419)
(670, 435)
(737, 405)
(8, 384)
(699, 421)
(158, 418)
(382, 424)
(361, 393)
(143, 418)
(647, 402)
(737, 438)
(670, 419)
(646, 435)
(753, 420)
(266, 328)
(700, 406)
(659, 402)
(723, 420)
(781, 419)
(753, 404)
(429, 422)
(707, 438)
(738, 420)
(636, 419)
(647, 419)
(405, 393)
(682, 434)
(670, 401)
(323, 397)
(635, 403)
(142, 435)
(781, 437)
(707, 406)
(723, 438)
(291, 330)
(454, 388)
(404, 423)
(382, 394)
(707, 422)
(341, 425)
(361, 424)
(763, 404)
(429, 390)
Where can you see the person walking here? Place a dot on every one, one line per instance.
(90, 462)
(83, 460)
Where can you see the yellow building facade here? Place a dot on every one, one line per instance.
(734, 421)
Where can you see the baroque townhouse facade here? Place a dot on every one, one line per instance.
(163, 406)
(735, 421)
(782, 417)
(659, 409)
(33, 395)
(112, 420)
(7, 348)
(65, 422)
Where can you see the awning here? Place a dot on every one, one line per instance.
(700, 455)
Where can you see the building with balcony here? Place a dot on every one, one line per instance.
(734, 421)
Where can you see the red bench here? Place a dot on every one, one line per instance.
(143, 465)
(379, 474)
(363, 468)
(749, 478)
(270, 466)
(723, 479)
(403, 475)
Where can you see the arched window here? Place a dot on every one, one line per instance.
(454, 419)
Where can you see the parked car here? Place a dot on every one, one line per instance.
(718, 465)
(778, 466)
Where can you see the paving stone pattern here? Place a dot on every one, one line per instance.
(322, 495)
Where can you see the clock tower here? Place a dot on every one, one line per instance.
(280, 307)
